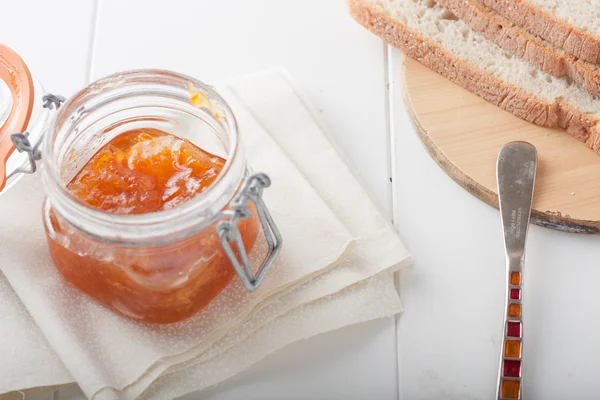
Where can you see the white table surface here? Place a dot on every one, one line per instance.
(445, 344)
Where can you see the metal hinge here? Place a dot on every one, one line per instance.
(229, 233)
(22, 143)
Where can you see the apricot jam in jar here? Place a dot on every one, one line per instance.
(151, 208)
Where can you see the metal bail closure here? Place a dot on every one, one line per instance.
(229, 233)
(22, 143)
(18, 80)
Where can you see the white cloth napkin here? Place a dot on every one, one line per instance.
(319, 208)
(26, 359)
(367, 300)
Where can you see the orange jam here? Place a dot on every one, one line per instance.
(139, 172)
(144, 171)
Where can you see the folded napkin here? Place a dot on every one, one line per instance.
(334, 241)
(367, 300)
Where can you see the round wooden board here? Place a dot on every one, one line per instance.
(464, 133)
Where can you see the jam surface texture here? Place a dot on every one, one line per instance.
(144, 171)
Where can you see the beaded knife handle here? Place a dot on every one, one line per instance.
(517, 163)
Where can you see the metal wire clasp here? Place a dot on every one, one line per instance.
(22, 143)
(229, 233)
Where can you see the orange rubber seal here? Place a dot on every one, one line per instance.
(15, 73)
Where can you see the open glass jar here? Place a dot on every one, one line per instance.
(164, 266)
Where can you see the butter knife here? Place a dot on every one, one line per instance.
(516, 168)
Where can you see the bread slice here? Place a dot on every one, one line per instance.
(532, 49)
(571, 25)
(435, 37)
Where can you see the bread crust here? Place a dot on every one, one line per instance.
(580, 44)
(538, 52)
(517, 101)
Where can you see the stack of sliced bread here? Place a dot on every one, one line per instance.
(538, 59)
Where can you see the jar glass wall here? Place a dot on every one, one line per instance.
(158, 267)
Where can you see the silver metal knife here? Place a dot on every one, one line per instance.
(516, 168)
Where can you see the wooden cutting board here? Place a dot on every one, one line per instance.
(464, 133)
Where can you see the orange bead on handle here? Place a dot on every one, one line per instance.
(16, 75)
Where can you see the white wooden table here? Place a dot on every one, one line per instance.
(445, 345)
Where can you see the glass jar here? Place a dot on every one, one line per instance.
(164, 266)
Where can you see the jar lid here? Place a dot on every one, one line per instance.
(16, 103)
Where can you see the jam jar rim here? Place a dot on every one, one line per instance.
(157, 227)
